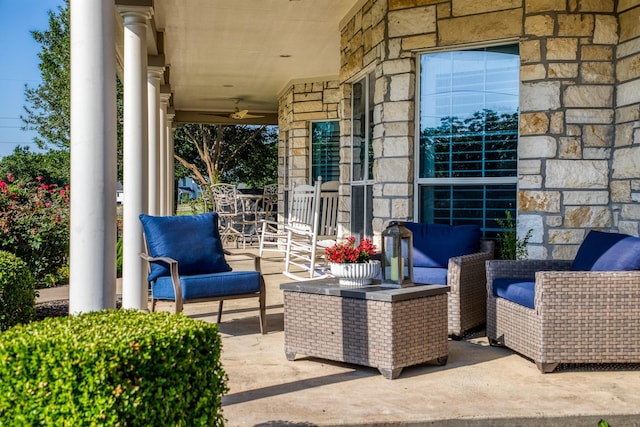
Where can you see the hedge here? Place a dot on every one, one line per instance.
(112, 368)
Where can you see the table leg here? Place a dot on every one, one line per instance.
(390, 374)
(290, 355)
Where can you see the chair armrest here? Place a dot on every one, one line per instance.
(586, 298)
(524, 269)
(467, 270)
(175, 278)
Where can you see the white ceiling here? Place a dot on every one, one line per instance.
(220, 50)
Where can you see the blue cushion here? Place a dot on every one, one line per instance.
(434, 244)
(209, 285)
(608, 252)
(520, 291)
(430, 275)
(192, 240)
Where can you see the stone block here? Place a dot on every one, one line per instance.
(533, 6)
(400, 208)
(381, 208)
(597, 72)
(419, 42)
(629, 27)
(397, 190)
(586, 96)
(606, 30)
(539, 25)
(310, 96)
(536, 252)
(397, 146)
(631, 211)
(474, 7)
(532, 72)
(626, 163)
(628, 68)
(566, 252)
(492, 26)
(529, 167)
(569, 148)
(405, 4)
(572, 236)
(397, 111)
(596, 53)
(624, 135)
(534, 123)
(557, 123)
(589, 116)
(620, 191)
(598, 136)
(535, 147)
(395, 169)
(408, 22)
(554, 220)
(530, 51)
(528, 182)
(585, 198)
(630, 47)
(531, 222)
(631, 228)
(562, 49)
(397, 128)
(563, 70)
(575, 25)
(332, 96)
(577, 174)
(596, 153)
(539, 201)
(542, 96)
(596, 6)
(588, 217)
(398, 66)
(402, 87)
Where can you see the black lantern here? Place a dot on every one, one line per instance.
(397, 256)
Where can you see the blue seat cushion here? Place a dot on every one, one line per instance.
(208, 285)
(520, 291)
(192, 240)
(607, 252)
(434, 244)
(430, 275)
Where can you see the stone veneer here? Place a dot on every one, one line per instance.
(579, 146)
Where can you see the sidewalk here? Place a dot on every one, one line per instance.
(479, 386)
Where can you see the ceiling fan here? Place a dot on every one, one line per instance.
(239, 114)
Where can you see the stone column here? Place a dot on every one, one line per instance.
(154, 74)
(134, 286)
(92, 282)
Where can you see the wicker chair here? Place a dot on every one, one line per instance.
(467, 296)
(578, 316)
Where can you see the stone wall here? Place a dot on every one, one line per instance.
(579, 158)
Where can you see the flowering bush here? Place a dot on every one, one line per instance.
(34, 225)
(347, 252)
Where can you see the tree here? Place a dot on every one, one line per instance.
(25, 166)
(48, 105)
(218, 153)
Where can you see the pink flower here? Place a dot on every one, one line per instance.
(39, 177)
(10, 177)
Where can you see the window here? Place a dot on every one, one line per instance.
(467, 156)
(325, 151)
(362, 96)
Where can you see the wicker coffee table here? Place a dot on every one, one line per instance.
(384, 328)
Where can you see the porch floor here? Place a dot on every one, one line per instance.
(479, 386)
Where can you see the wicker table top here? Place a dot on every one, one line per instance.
(370, 292)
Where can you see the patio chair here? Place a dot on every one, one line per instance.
(309, 235)
(455, 256)
(187, 264)
(581, 311)
(228, 208)
(273, 234)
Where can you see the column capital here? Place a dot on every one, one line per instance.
(135, 10)
(155, 73)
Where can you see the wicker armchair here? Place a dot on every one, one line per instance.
(467, 297)
(579, 316)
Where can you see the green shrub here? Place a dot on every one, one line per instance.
(17, 292)
(510, 246)
(112, 367)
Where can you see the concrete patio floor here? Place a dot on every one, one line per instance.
(479, 386)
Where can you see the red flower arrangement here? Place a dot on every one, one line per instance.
(347, 251)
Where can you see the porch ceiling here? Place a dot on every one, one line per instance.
(220, 50)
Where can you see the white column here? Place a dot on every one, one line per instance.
(134, 286)
(171, 203)
(164, 154)
(92, 281)
(153, 92)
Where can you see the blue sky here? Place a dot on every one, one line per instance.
(19, 64)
